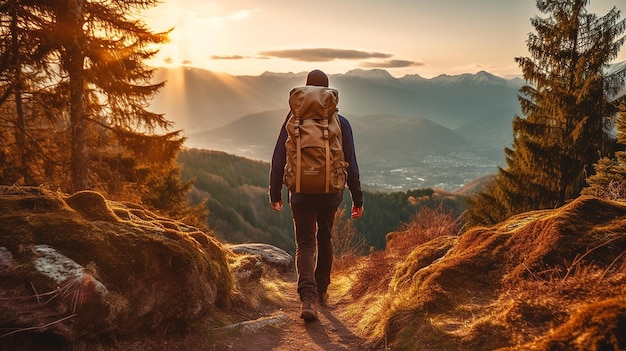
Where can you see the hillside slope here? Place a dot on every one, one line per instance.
(542, 280)
(235, 192)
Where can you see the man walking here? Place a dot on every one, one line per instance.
(314, 211)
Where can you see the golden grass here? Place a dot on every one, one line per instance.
(255, 293)
(348, 244)
(270, 291)
(375, 279)
(545, 280)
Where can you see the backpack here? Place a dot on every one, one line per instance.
(315, 160)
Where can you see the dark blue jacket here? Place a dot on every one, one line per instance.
(278, 168)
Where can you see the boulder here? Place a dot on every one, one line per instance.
(270, 255)
(83, 266)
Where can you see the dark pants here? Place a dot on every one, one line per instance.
(313, 226)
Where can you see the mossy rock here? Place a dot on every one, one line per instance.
(155, 274)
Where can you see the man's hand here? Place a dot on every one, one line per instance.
(277, 206)
(357, 212)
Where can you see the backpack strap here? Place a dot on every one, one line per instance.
(298, 154)
(327, 146)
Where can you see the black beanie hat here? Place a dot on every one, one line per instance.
(317, 78)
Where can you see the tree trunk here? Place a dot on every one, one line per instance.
(20, 130)
(79, 167)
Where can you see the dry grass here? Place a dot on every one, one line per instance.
(583, 311)
(255, 298)
(348, 244)
(545, 280)
(375, 278)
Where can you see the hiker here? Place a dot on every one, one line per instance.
(313, 209)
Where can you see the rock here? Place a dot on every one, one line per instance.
(6, 258)
(81, 267)
(253, 326)
(247, 268)
(69, 306)
(271, 255)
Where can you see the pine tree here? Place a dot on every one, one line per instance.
(103, 52)
(22, 152)
(567, 110)
(92, 100)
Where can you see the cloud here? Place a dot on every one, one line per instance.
(228, 57)
(217, 21)
(391, 64)
(239, 15)
(324, 54)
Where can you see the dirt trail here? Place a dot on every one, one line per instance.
(329, 332)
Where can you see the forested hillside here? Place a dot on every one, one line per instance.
(235, 191)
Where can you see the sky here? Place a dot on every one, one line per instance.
(424, 37)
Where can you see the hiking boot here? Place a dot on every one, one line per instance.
(322, 298)
(309, 310)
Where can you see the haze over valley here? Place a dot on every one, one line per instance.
(410, 132)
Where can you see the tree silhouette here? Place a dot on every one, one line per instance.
(568, 103)
(21, 152)
(103, 52)
(74, 95)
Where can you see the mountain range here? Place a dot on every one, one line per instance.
(198, 100)
(406, 125)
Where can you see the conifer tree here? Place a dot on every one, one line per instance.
(568, 106)
(103, 52)
(93, 100)
(21, 151)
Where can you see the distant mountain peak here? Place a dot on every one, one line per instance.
(479, 78)
(485, 74)
(369, 74)
(413, 78)
(278, 74)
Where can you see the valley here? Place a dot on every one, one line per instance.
(410, 132)
(447, 172)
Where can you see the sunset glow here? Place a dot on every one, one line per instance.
(404, 37)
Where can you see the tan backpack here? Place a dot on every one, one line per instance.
(315, 160)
